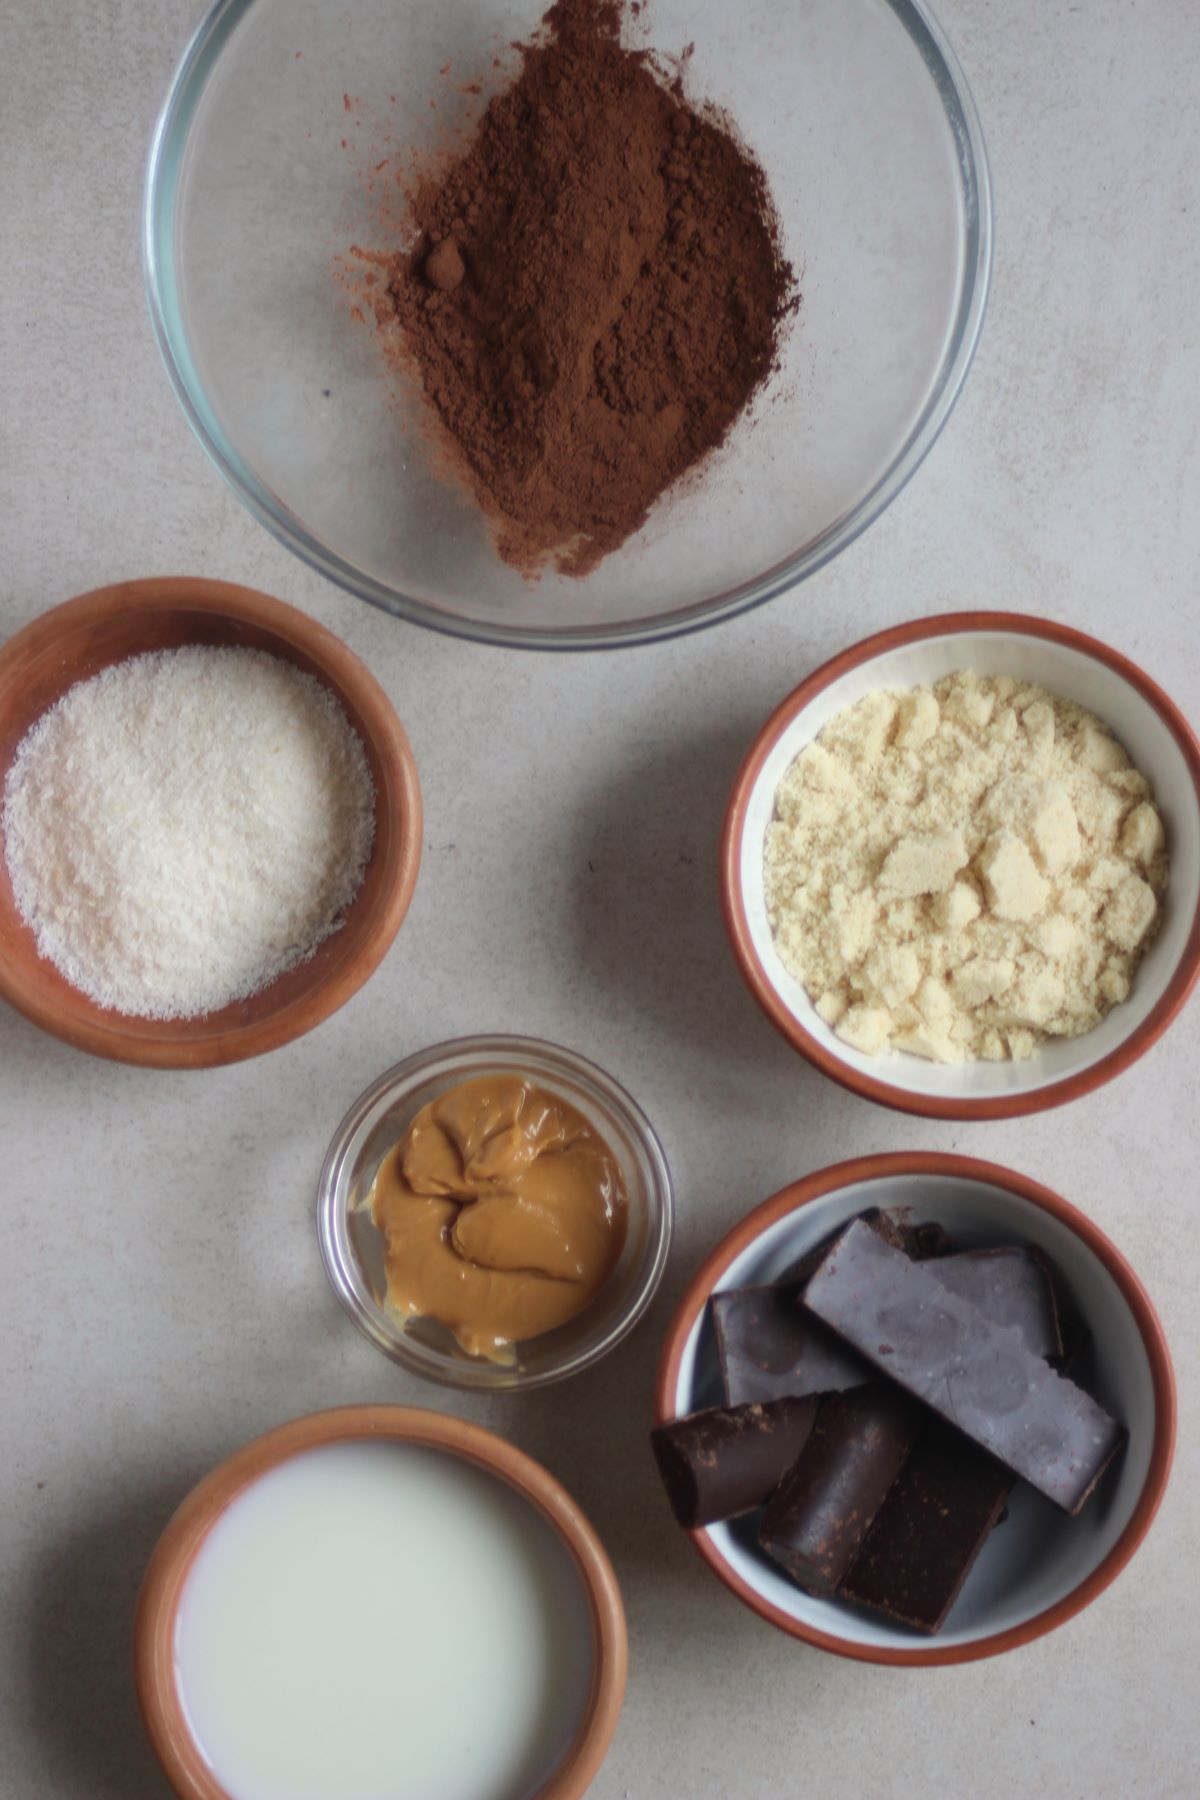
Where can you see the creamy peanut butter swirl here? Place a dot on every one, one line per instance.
(503, 1213)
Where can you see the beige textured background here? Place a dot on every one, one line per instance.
(162, 1298)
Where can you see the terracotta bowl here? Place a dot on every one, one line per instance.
(77, 640)
(1039, 1568)
(1161, 744)
(158, 1603)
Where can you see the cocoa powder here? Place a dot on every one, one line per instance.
(595, 291)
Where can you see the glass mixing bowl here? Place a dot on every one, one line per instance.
(262, 173)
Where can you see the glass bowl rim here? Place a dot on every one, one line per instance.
(504, 1048)
(162, 171)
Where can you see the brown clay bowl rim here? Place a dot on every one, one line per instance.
(106, 1035)
(733, 907)
(868, 1168)
(162, 1585)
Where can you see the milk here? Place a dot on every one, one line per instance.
(374, 1621)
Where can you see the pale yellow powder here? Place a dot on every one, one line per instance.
(964, 871)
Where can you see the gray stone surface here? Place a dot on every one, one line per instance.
(161, 1297)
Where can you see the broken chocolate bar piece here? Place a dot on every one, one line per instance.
(975, 1375)
(725, 1461)
(769, 1349)
(924, 1242)
(902, 1236)
(766, 1345)
(950, 1495)
(819, 1514)
(1010, 1286)
(924, 1539)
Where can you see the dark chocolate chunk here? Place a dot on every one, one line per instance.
(725, 1461)
(769, 1349)
(817, 1517)
(797, 1273)
(973, 1374)
(1010, 1286)
(1076, 1338)
(926, 1535)
(923, 1242)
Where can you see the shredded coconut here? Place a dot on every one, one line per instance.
(185, 826)
(964, 871)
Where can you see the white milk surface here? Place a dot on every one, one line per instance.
(382, 1622)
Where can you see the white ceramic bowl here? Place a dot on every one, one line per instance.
(1039, 1567)
(1161, 744)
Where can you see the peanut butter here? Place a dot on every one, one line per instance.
(503, 1213)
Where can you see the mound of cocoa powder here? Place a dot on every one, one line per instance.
(596, 291)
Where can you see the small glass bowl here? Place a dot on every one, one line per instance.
(352, 1249)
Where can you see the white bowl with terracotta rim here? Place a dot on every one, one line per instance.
(162, 1709)
(1039, 1567)
(1162, 745)
(78, 639)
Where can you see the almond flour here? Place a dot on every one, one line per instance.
(185, 826)
(964, 871)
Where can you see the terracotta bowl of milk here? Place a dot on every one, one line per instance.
(1069, 664)
(379, 1603)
